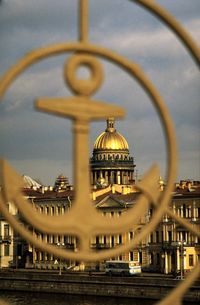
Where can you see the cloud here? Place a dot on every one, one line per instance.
(44, 170)
(38, 13)
(182, 10)
(128, 30)
(43, 79)
(159, 43)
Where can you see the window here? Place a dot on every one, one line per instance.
(6, 250)
(140, 257)
(131, 235)
(19, 250)
(97, 240)
(6, 230)
(131, 255)
(169, 236)
(188, 212)
(183, 235)
(42, 256)
(150, 212)
(151, 259)
(157, 236)
(184, 210)
(191, 260)
(37, 256)
(158, 259)
(112, 241)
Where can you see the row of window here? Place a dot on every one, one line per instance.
(188, 211)
(53, 210)
(112, 240)
(57, 239)
(112, 157)
(155, 259)
(169, 236)
(56, 210)
(183, 211)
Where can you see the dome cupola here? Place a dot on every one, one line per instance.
(110, 139)
(61, 183)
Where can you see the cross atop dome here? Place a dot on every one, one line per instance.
(110, 125)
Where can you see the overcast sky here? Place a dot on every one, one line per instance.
(40, 145)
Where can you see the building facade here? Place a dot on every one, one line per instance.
(171, 246)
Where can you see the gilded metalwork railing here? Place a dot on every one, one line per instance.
(83, 220)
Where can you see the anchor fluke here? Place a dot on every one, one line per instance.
(10, 180)
(149, 184)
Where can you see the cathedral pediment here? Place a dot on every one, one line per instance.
(110, 202)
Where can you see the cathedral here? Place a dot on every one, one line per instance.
(169, 248)
(111, 162)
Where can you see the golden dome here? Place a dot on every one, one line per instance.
(110, 139)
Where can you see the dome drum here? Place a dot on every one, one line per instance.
(116, 156)
(109, 164)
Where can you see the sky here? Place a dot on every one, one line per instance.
(40, 145)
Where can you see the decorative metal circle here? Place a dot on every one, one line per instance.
(168, 128)
(134, 71)
(83, 86)
(174, 25)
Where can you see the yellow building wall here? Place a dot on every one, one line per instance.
(190, 258)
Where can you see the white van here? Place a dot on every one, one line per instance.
(123, 268)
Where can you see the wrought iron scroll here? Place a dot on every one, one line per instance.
(83, 220)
